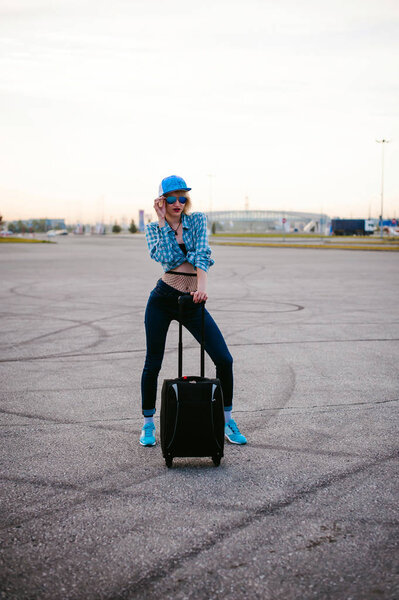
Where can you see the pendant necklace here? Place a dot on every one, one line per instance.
(177, 228)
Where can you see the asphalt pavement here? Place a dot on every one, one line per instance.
(307, 509)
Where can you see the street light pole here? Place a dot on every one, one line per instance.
(382, 142)
(210, 191)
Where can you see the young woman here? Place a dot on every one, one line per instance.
(179, 241)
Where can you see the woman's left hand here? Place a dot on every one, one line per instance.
(199, 296)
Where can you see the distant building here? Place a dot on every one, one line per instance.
(37, 224)
(141, 220)
(261, 221)
(55, 223)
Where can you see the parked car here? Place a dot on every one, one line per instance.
(54, 232)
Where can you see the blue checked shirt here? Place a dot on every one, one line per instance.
(165, 249)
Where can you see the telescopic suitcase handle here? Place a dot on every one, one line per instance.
(184, 300)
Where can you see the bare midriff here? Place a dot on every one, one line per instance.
(182, 278)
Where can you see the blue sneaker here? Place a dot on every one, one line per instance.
(147, 437)
(232, 433)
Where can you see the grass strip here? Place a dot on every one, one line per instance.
(309, 236)
(393, 248)
(17, 240)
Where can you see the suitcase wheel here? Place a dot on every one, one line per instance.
(169, 461)
(216, 460)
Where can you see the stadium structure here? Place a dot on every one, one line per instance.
(261, 221)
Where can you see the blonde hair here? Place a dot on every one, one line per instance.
(187, 205)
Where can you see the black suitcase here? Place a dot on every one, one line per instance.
(192, 412)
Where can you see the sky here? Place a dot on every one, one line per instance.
(280, 102)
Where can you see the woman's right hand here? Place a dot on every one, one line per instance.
(160, 207)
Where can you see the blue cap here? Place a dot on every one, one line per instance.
(172, 184)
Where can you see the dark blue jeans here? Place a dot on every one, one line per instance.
(162, 308)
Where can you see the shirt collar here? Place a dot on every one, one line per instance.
(184, 221)
(168, 228)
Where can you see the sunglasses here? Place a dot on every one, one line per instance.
(172, 199)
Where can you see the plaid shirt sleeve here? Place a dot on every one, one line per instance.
(158, 243)
(202, 254)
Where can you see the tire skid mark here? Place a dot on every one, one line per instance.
(59, 421)
(298, 450)
(70, 355)
(79, 488)
(87, 388)
(38, 482)
(136, 310)
(78, 301)
(39, 315)
(15, 292)
(76, 324)
(277, 342)
(262, 312)
(229, 273)
(287, 409)
(50, 333)
(315, 406)
(256, 514)
(102, 335)
(286, 393)
(66, 298)
(245, 286)
(234, 344)
(251, 515)
(47, 419)
(164, 568)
